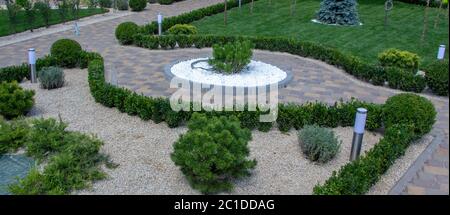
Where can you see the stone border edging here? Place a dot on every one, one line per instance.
(411, 172)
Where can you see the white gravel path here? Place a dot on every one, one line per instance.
(142, 149)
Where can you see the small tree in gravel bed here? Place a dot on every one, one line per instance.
(213, 152)
(231, 57)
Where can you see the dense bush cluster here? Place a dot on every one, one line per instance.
(51, 77)
(105, 3)
(66, 52)
(183, 29)
(409, 109)
(433, 3)
(436, 76)
(400, 59)
(166, 2)
(407, 117)
(72, 158)
(137, 5)
(125, 31)
(405, 80)
(231, 57)
(340, 12)
(318, 143)
(14, 101)
(122, 4)
(213, 152)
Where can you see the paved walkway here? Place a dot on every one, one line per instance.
(142, 70)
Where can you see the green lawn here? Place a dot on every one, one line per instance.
(7, 29)
(366, 41)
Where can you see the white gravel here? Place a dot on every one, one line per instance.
(257, 74)
(142, 148)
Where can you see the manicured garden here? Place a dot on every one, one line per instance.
(404, 30)
(21, 22)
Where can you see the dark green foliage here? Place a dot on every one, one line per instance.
(357, 177)
(400, 79)
(340, 114)
(14, 101)
(14, 73)
(167, 42)
(66, 52)
(401, 59)
(44, 10)
(105, 3)
(213, 153)
(409, 109)
(184, 41)
(122, 4)
(125, 32)
(318, 144)
(12, 135)
(165, 2)
(182, 29)
(137, 5)
(436, 76)
(51, 77)
(146, 41)
(231, 57)
(341, 12)
(73, 164)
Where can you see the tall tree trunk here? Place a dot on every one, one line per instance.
(436, 20)
(425, 21)
(293, 6)
(225, 13)
(251, 7)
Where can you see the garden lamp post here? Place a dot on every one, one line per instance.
(441, 52)
(32, 62)
(358, 133)
(160, 19)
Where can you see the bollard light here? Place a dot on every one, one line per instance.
(160, 20)
(441, 52)
(76, 29)
(32, 62)
(358, 132)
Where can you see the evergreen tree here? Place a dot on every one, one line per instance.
(341, 12)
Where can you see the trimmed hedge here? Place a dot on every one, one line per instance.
(137, 5)
(436, 76)
(125, 31)
(66, 52)
(402, 59)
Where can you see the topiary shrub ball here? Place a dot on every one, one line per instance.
(125, 32)
(184, 29)
(318, 144)
(213, 153)
(437, 77)
(137, 5)
(14, 101)
(411, 110)
(66, 52)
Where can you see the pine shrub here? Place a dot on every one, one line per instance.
(341, 12)
(14, 101)
(231, 57)
(213, 153)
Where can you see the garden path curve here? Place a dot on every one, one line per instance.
(142, 70)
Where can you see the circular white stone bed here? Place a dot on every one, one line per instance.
(256, 74)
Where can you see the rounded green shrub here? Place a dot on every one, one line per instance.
(409, 109)
(137, 5)
(184, 29)
(67, 52)
(436, 76)
(213, 153)
(231, 57)
(51, 77)
(166, 2)
(318, 143)
(14, 101)
(401, 59)
(125, 32)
